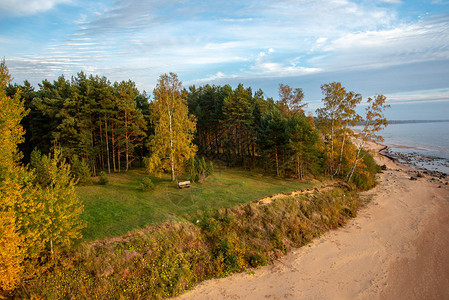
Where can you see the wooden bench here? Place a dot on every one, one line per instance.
(183, 184)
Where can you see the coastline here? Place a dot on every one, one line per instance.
(434, 166)
(396, 248)
(423, 145)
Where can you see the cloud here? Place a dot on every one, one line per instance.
(218, 76)
(419, 96)
(27, 7)
(440, 2)
(392, 1)
(425, 40)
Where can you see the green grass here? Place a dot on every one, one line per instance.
(119, 207)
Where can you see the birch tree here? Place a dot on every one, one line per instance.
(171, 146)
(374, 122)
(290, 100)
(333, 120)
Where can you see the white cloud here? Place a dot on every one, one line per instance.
(419, 96)
(219, 75)
(441, 2)
(28, 7)
(392, 1)
(238, 20)
(425, 40)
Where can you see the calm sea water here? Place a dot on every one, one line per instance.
(430, 141)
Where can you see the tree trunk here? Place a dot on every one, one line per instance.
(126, 142)
(107, 144)
(341, 150)
(172, 158)
(298, 171)
(277, 160)
(118, 158)
(93, 164)
(355, 163)
(113, 148)
(332, 150)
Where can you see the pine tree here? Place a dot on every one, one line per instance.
(302, 138)
(273, 138)
(171, 146)
(238, 122)
(130, 124)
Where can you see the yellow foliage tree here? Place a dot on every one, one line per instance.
(374, 122)
(171, 146)
(61, 207)
(33, 216)
(11, 133)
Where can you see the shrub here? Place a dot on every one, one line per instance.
(210, 169)
(81, 170)
(103, 178)
(146, 184)
(365, 177)
(199, 170)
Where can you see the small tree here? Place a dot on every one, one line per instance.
(103, 178)
(199, 169)
(62, 207)
(81, 170)
(146, 184)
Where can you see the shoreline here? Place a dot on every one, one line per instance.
(420, 153)
(437, 166)
(396, 248)
(411, 161)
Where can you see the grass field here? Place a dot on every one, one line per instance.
(119, 207)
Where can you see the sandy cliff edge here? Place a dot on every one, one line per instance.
(397, 248)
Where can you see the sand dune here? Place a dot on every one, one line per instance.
(397, 248)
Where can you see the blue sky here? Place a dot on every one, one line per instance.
(394, 47)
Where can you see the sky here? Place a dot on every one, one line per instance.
(393, 47)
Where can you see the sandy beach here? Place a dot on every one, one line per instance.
(396, 248)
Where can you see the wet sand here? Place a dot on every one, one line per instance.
(396, 248)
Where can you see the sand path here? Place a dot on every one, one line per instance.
(397, 248)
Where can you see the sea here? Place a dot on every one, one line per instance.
(423, 145)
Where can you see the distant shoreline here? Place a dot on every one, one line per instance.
(390, 122)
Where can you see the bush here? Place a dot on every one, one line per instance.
(365, 178)
(199, 170)
(81, 170)
(103, 180)
(146, 184)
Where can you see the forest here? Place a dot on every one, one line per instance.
(66, 132)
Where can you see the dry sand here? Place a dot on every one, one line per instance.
(397, 248)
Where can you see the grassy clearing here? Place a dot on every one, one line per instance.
(120, 206)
